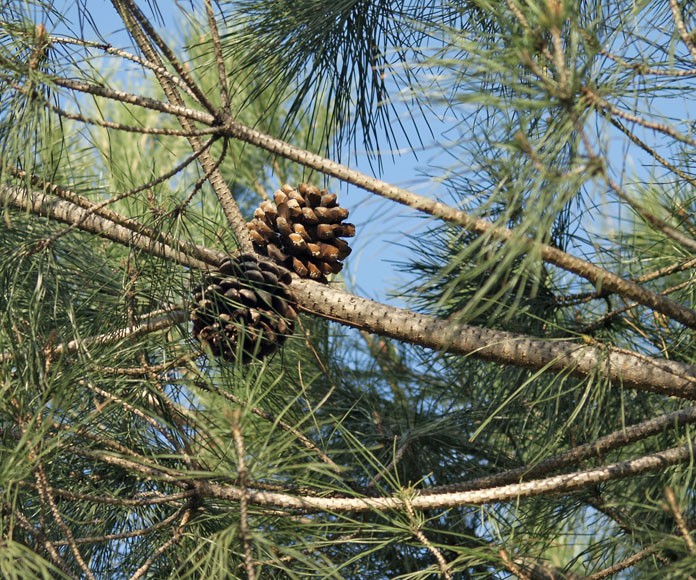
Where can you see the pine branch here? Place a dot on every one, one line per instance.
(552, 485)
(630, 370)
(559, 484)
(69, 213)
(242, 473)
(108, 49)
(195, 251)
(154, 324)
(623, 564)
(608, 281)
(681, 28)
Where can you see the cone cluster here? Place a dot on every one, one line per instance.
(245, 306)
(301, 229)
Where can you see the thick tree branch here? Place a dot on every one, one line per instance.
(634, 371)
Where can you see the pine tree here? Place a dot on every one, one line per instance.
(191, 388)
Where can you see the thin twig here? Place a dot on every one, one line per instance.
(301, 437)
(512, 566)
(242, 474)
(602, 320)
(201, 180)
(125, 535)
(623, 564)
(114, 198)
(42, 487)
(155, 499)
(601, 103)
(219, 59)
(144, 25)
(155, 324)
(679, 520)
(643, 69)
(41, 539)
(422, 538)
(681, 28)
(176, 536)
(138, 26)
(108, 49)
(652, 152)
(179, 110)
(658, 223)
(132, 128)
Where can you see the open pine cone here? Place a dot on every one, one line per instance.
(302, 231)
(244, 306)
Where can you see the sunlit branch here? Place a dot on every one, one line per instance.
(642, 69)
(138, 100)
(634, 371)
(608, 281)
(219, 59)
(67, 212)
(681, 28)
(200, 252)
(623, 564)
(658, 223)
(652, 152)
(108, 49)
(566, 483)
(605, 105)
(667, 377)
(131, 128)
(144, 25)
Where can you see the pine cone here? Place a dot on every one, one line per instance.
(302, 231)
(246, 300)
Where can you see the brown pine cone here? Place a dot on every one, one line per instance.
(244, 307)
(301, 230)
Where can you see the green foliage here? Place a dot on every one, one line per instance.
(561, 126)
